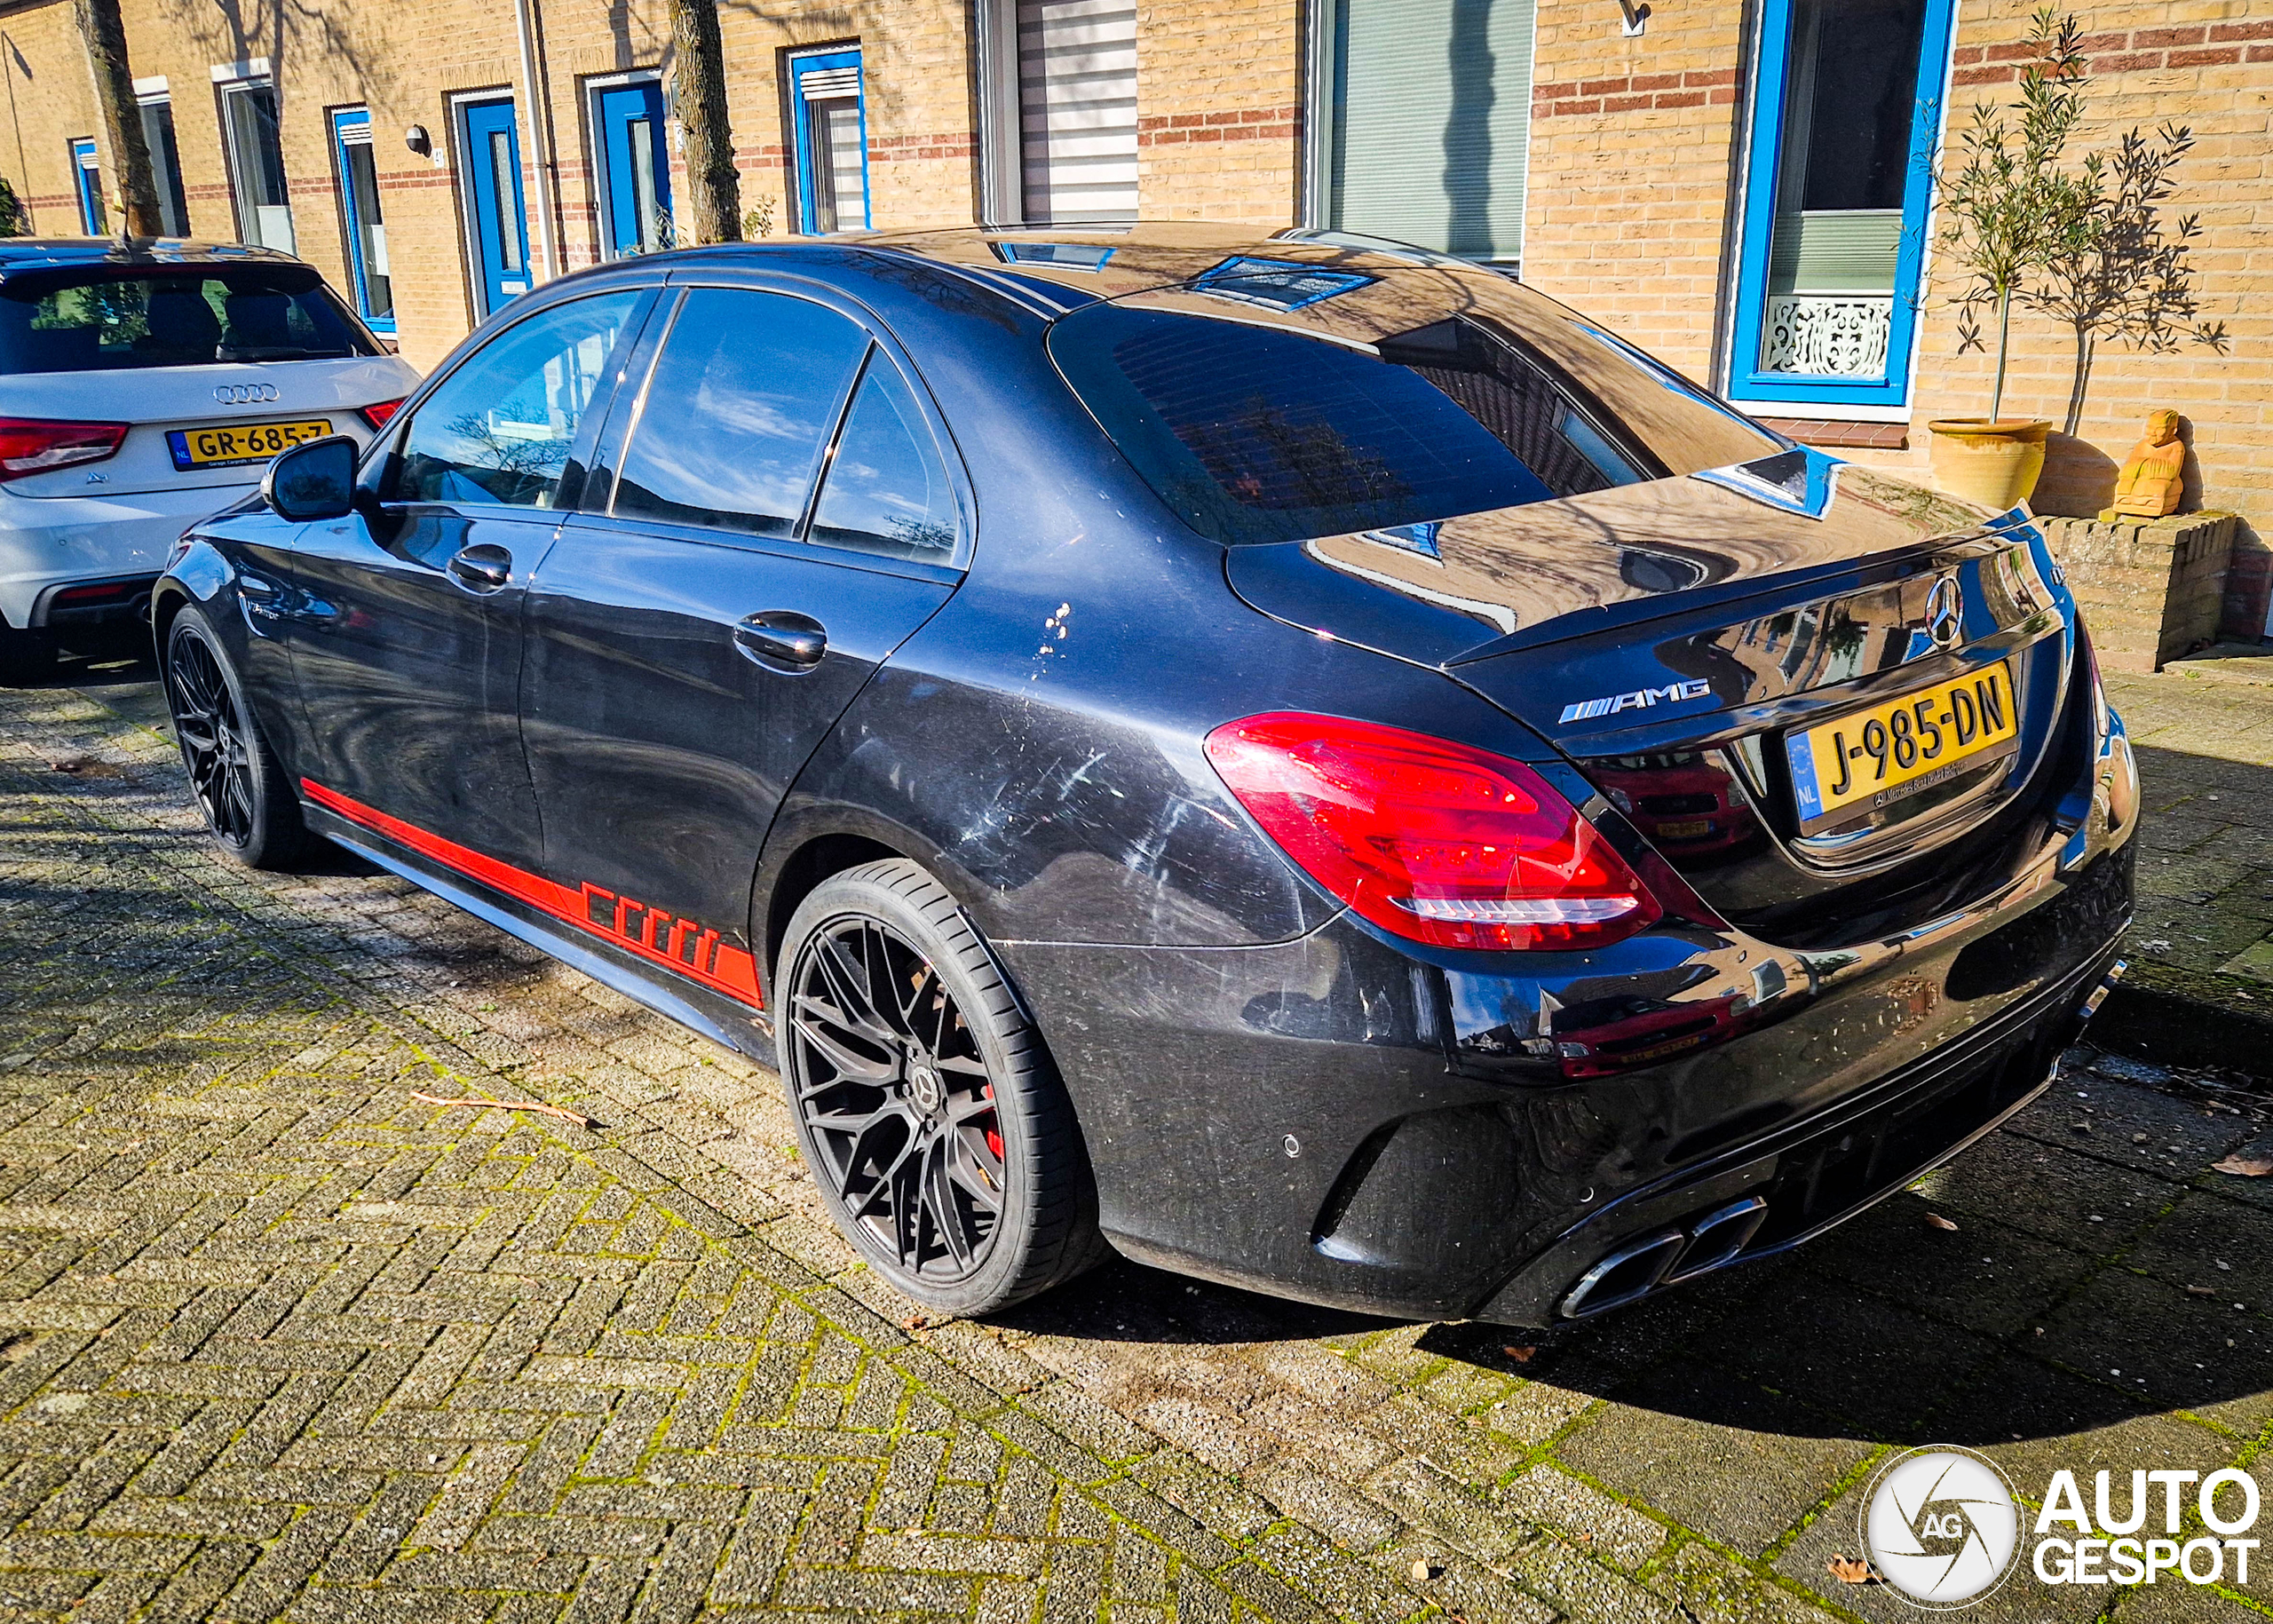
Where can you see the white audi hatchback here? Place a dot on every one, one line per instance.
(143, 386)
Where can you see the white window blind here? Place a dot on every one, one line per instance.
(1077, 109)
(1432, 123)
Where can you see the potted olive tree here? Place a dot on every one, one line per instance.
(2004, 215)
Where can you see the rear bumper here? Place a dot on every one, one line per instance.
(1312, 1118)
(1787, 1187)
(55, 542)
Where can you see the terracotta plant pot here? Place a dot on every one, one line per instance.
(1993, 463)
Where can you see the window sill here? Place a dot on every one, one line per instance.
(1842, 435)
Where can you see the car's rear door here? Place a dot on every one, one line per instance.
(405, 625)
(774, 513)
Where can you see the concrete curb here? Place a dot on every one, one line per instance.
(2147, 1024)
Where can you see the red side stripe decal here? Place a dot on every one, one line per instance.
(693, 950)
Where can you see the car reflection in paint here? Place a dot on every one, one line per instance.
(1272, 758)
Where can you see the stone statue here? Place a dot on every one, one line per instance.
(2153, 474)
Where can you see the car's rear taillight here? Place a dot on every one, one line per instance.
(35, 445)
(378, 413)
(1431, 840)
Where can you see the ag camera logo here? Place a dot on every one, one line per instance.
(1941, 1525)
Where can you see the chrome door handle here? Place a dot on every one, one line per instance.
(483, 567)
(782, 639)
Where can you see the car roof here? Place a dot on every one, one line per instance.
(1091, 261)
(51, 253)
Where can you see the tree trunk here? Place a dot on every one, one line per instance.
(2004, 336)
(701, 97)
(2080, 383)
(105, 32)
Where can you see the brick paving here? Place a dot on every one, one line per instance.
(2205, 732)
(281, 1342)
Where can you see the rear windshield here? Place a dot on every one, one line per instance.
(1257, 433)
(96, 319)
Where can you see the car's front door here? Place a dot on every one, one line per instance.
(693, 637)
(405, 630)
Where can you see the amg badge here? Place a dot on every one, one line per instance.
(1610, 704)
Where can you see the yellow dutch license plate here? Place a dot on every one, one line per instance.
(241, 442)
(1844, 771)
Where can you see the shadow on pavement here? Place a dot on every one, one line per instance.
(2093, 1278)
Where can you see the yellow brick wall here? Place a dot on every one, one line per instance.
(1630, 151)
(1218, 109)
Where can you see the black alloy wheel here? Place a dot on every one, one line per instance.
(940, 1139)
(898, 1100)
(234, 776)
(212, 736)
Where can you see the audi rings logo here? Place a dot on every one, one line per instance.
(1945, 613)
(244, 394)
(1941, 1525)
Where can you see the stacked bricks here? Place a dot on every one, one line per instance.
(2151, 590)
(1631, 143)
(1218, 110)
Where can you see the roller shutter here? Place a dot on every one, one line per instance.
(1077, 105)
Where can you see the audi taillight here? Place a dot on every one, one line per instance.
(1430, 840)
(379, 412)
(35, 445)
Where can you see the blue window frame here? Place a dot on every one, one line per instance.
(635, 168)
(366, 227)
(829, 109)
(86, 169)
(1846, 117)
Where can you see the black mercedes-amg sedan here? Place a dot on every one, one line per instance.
(1290, 759)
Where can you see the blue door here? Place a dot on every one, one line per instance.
(829, 108)
(634, 169)
(86, 168)
(490, 161)
(367, 230)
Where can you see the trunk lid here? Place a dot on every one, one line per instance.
(1683, 640)
(159, 400)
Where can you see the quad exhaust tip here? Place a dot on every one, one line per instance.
(1667, 1259)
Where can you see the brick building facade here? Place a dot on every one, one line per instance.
(1660, 176)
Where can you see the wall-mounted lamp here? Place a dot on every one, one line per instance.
(416, 139)
(1636, 17)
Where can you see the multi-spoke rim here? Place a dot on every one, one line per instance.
(895, 1099)
(212, 736)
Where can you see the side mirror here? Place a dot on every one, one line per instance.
(315, 479)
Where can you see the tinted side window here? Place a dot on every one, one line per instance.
(887, 490)
(742, 399)
(499, 429)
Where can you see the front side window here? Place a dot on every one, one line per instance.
(887, 491)
(499, 429)
(256, 166)
(740, 403)
(85, 319)
(1259, 434)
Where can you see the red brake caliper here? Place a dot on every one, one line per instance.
(993, 1128)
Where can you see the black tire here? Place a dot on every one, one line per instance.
(26, 656)
(887, 983)
(248, 802)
